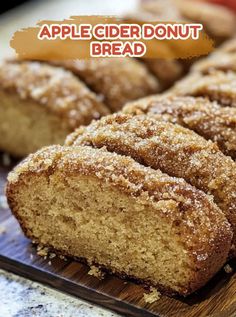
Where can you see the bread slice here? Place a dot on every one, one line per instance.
(132, 220)
(175, 150)
(116, 80)
(40, 105)
(206, 118)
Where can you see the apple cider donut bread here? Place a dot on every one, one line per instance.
(40, 105)
(114, 212)
(206, 118)
(116, 80)
(217, 86)
(175, 150)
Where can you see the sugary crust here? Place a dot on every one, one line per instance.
(116, 80)
(217, 86)
(175, 150)
(206, 118)
(199, 223)
(54, 88)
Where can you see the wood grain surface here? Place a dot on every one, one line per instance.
(18, 255)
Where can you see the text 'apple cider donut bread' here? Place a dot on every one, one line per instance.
(171, 148)
(206, 118)
(40, 105)
(114, 212)
(116, 80)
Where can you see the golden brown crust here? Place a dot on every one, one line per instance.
(171, 148)
(217, 86)
(116, 80)
(52, 87)
(206, 118)
(200, 224)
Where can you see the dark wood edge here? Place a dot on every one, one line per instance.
(66, 286)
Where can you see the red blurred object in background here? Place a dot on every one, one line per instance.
(227, 3)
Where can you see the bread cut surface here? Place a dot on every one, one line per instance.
(171, 148)
(206, 118)
(40, 105)
(112, 211)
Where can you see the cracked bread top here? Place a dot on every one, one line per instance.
(206, 118)
(116, 80)
(169, 147)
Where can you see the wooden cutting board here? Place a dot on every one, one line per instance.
(18, 255)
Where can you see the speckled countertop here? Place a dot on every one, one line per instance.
(20, 297)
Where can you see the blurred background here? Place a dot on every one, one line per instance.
(19, 14)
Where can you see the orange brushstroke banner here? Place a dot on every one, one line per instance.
(82, 37)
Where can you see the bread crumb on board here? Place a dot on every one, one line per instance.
(42, 251)
(96, 272)
(152, 296)
(228, 269)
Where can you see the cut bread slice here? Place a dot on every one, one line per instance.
(112, 211)
(41, 104)
(175, 150)
(206, 118)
